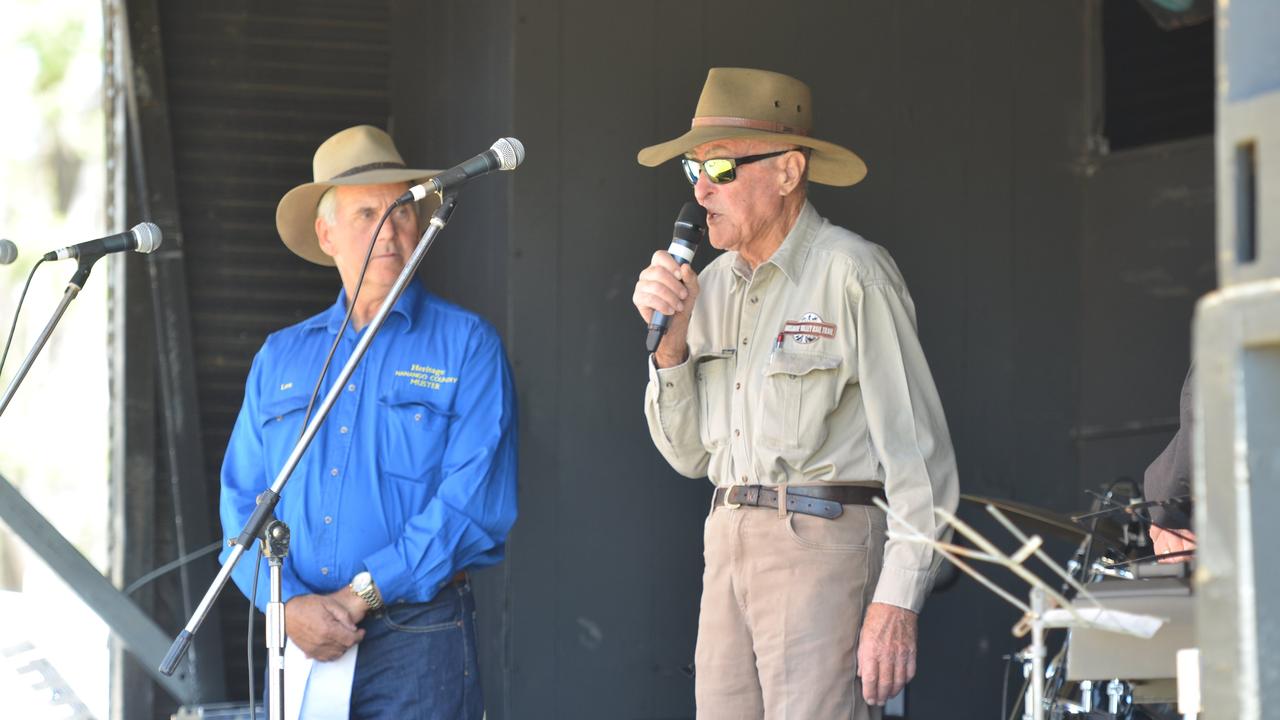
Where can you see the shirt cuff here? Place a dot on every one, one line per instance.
(389, 573)
(673, 389)
(903, 588)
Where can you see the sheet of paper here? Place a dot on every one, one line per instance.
(1143, 626)
(317, 690)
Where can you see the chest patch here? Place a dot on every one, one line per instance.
(425, 376)
(809, 329)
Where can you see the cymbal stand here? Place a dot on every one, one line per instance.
(1040, 613)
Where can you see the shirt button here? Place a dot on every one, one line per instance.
(737, 386)
(328, 519)
(351, 388)
(334, 472)
(671, 385)
(343, 430)
(324, 571)
(744, 479)
(417, 417)
(744, 341)
(279, 418)
(755, 300)
(737, 433)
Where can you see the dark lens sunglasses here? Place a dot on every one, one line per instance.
(721, 170)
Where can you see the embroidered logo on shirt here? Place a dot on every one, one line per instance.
(808, 329)
(426, 376)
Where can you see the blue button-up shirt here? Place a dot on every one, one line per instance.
(412, 476)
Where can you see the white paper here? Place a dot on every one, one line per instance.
(1119, 621)
(317, 690)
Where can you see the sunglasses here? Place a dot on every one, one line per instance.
(721, 170)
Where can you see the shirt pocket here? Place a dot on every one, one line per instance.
(714, 374)
(799, 391)
(412, 436)
(280, 421)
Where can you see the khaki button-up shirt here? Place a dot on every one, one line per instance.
(809, 370)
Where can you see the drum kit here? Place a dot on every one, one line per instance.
(1098, 672)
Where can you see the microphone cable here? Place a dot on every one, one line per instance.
(306, 417)
(21, 299)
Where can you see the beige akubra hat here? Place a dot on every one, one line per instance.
(760, 105)
(360, 155)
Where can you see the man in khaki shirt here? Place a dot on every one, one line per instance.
(798, 384)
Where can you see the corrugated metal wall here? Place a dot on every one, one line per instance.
(253, 89)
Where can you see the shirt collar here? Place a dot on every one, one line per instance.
(331, 319)
(792, 253)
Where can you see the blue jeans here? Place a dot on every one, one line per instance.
(418, 662)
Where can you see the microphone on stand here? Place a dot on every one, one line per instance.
(505, 154)
(8, 252)
(143, 237)
(691, 226)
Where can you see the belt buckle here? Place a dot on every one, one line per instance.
(728, 492)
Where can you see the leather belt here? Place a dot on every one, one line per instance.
(826, 502)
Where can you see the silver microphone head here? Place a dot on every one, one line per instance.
(510, 152)
(148, 235)
(8, 252)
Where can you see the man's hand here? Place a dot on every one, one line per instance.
(670, 289)
(324, 626)
(1167, 541)
(886, 651)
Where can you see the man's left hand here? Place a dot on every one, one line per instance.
(886, 652)
(1165, 541)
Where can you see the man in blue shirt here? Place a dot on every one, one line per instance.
(410, 481)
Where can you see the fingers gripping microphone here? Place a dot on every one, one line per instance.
(691, 226)
(506, 154)
(144, 237)
(8, 252)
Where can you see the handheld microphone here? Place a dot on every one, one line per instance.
(143, 237)
(8, 252)
(691, 226)
(506, 154)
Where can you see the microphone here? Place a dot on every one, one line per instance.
(144, 237)
(691, 225)
(506, 154)
(8, 252)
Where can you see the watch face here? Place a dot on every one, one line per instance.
(361, 581)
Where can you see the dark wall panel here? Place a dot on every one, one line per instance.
(1147, 255)
(971, 118)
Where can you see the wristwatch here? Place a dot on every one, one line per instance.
(362, 585)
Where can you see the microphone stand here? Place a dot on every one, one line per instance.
(267, 501)
(73, 289)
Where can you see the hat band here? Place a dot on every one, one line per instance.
(729, 121)
(365, 168)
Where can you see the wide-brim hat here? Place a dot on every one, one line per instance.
(760, 105)
(360, 155)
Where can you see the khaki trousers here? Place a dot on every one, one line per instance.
(783, 596)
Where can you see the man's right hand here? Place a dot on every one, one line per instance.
(321, 625)
(671, 289)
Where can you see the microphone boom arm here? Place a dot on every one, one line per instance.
(267, 502)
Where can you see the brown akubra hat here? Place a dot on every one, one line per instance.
(763, 105)
(360, 155)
